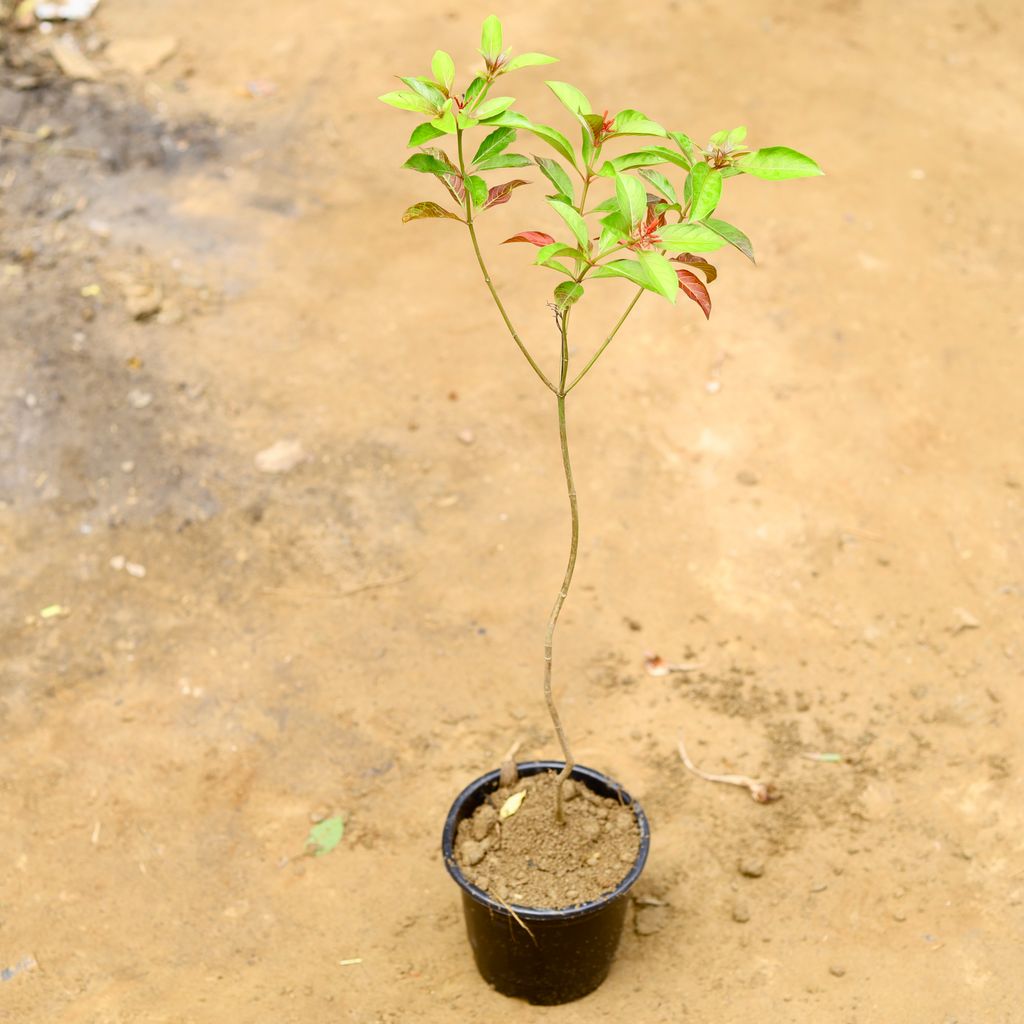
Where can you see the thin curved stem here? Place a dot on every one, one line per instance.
(487, 278)
(605, 344)
(566, 580)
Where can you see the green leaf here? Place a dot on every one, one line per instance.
(587, 149)
(325, 836)
(609, 205)
(494, 105)
(490, 38)
(685, 143)
(704, 189)
(632, 122)
(555, 173)
(661, 274)
(553, 137)
(641, 158)
(464, 121)
(504, 160)
(499, 139)
(425, 132)
(408, 101)
(570, 97)
(443, 68)
(660, 182)
(690, 238)
(420, 210)
(732, 235)
(476, 87)
(566, 294)
(632, 199)
(529, 60)
(776, 163)
(426, 164)
(427, 90)
(576, 223)
(446, 123)
(477, 189)
(629, 269)
(552, 249)
(718, 138)
(613, 230)
(736, 136)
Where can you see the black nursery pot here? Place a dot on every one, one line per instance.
(566, 953)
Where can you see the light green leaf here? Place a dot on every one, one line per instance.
(736, 136)
(425, 132)
(641, 158)
(494, 105)
(776, 163)
(704, 189)
(408, 101)
(426, 164)
(732, 235)
(446, 123)
(632, 122)
(576, 223)
(660, 182)
(476, 87)
(464, 121)
(571, 98)
(490, 38)
(718, 138)
(504, 160)
(546, 256)
(551, 136)
(421, 210)
(443, 68)
(477, 189)
(685, 143)
(690, 238)
(555, 173)
(493, 144)
(661, 274)
(629, 269)
(566, 294)
(427, 89)
(325, 836)
(613, 230)
(529, 60)
(632, 199)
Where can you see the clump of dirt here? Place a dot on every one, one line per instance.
(528, 859)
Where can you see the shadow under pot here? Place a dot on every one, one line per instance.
(546, 956)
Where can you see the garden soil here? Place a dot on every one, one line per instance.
(282, 519)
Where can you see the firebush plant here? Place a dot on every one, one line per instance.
(646, 228)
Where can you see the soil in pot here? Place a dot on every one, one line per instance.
(529, 860)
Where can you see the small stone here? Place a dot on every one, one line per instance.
(127, 466)
(280, 457)
(569, 790)
(819, 887)
(837, 970)
(134, 569)
(466, 436)
(748, 479)
(118, 562)
(483, 821)
(472, 852)
(964, 620)
(899, 915)
(751, 868)
(740, 912)
(592, 830)
(138, 399)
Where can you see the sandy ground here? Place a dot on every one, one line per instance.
(836, 533)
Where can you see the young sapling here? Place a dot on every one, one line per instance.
(647, 214)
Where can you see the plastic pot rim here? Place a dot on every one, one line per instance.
(484, 784)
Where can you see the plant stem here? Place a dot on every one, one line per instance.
(487, 277)
(567, 579)
(605, 344)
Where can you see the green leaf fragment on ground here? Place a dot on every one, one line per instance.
(325, 836)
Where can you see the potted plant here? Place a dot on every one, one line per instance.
(545, 852)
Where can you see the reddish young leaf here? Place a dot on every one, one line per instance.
(421, 210)
(693, 286)
(500, 193)
(699, 262)
(533, 237)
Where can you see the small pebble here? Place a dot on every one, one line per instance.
(127, 466)
(134, 569)
(740, 912)
(751, 868)
(466, 436)
(569, 790)
(748, 479)
(118, 562)
(650, 920)
(899, 915)
(483, 821)
(139, 399)
(819, 887)
(837, 970)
